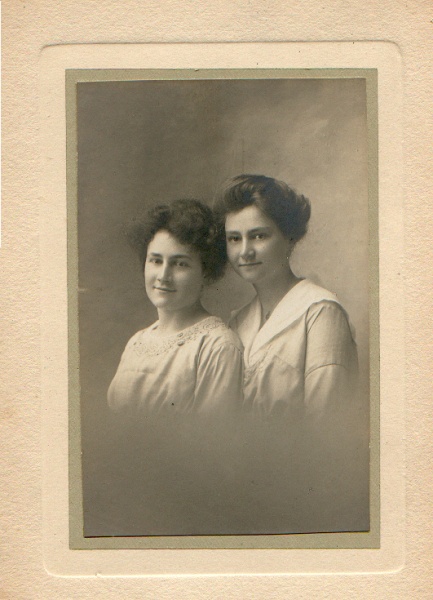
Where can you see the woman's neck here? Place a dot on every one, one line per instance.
(173, 321)
(271, 292)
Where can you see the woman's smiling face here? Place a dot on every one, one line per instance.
(257, 249)
(173, 273)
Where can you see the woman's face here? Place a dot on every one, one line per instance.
(257, 249)
(173, 273)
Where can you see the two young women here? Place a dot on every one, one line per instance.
(257, 456)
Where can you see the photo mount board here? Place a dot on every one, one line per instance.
(69, 61)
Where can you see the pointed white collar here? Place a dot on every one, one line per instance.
(291, 307)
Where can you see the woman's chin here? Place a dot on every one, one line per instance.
(250, 275)
(162, 303)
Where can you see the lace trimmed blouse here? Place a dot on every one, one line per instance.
(198, 370)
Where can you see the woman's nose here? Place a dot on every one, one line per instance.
(247, 250)
(164, 273)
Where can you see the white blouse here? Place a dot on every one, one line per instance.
(303, 358)
(305, 462)
(177, 401)
(198, 370)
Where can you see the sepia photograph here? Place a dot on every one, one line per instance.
(215, 272)
(215, 265)
(222, 266)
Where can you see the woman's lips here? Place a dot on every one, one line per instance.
(254, 264)
(159, 289)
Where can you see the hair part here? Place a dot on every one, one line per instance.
(192, 223)
(289, 210)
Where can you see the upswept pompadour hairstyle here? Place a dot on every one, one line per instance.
(289, 210)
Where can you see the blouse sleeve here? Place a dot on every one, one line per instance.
(119, 402)
(334, 447)
(330, 362)
(219, 377)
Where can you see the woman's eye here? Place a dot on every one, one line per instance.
(233, 238)
(181, 263)
(153, 260)
(260, 236)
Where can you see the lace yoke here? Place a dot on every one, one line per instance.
(146, 344)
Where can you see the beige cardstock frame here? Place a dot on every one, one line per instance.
(65, 551)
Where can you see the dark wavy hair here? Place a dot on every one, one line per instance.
(192, 223)
(289, 211)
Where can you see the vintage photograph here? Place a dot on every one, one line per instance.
(215, 274)
(223, 236)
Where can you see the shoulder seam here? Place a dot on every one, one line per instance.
(330, 364)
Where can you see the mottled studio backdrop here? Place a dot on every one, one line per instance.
(147, 142)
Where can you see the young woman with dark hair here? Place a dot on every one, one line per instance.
(180, 363)
(178, 388)
(299, 350)
(308, 452)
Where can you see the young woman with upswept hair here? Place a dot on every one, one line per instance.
(300, 383)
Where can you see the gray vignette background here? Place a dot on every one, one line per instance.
(147, 142)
